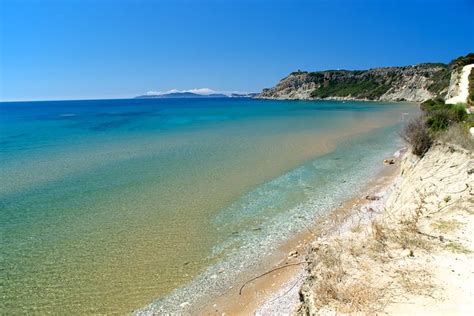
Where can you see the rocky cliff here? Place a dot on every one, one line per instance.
(409, 83)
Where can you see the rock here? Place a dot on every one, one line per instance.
(372, 198)
(293, 254)
(389, 161)
(409, 83)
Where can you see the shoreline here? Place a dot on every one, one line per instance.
(404, 248)
(338, 99)
(277, 290)
(220, 282)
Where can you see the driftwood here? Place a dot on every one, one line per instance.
(270, 271)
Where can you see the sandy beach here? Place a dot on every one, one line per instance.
(403, 247)
(273, 289)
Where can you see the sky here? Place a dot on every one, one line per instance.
(84, 49)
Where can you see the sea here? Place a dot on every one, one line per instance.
(119, 206)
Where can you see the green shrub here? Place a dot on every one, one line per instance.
(432, 104)
(360, 88)
(459, 111)
(462, 61)
(439, 116)
(439, 120)
(469, 121)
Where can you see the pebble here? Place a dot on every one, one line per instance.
(293, 254)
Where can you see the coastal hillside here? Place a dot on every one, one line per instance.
(415, 83)
(409, 252)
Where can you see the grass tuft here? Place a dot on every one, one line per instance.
(415, 281)
(447, 226)
(457, 247)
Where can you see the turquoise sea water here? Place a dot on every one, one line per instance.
(108, 205)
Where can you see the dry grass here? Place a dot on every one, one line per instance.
(356, 249)
(459, 135)
(379, 235)
(447, 226)
(379, 232)
(356, 229)
(339, 289)
(330, 258)
(344, 267)
(415, 281)
(407, 235)
(355, 274)
(359, 296)
(456, 247)
(409, 238)
(348, 294)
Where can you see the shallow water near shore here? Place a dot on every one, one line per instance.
(109, 205)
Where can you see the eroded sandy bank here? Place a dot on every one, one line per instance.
(415, 256)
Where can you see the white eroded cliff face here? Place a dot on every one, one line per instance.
(459, 85)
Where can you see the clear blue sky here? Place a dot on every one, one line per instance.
(75, 49)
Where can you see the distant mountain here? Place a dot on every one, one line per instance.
(181, 95)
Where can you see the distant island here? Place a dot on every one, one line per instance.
(181, 95)
(192, 95)
(244, 95)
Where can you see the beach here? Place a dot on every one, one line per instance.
(274, 288)
(236, 157)
(406, 247)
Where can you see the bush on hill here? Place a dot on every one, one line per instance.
(416, 134)
(439, 116)
(462, 61)
(364, 89)
(438, 120)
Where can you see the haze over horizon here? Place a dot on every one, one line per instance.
(53, 50)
